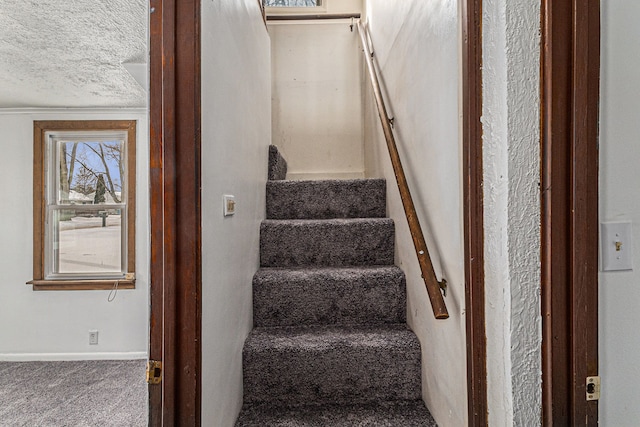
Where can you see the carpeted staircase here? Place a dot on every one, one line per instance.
(330, 346)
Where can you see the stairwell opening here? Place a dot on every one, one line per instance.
(304, 101)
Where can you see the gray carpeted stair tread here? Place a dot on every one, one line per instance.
(383, 414)
(329, 242)
(329, 295)
(324, 199)
(292, 366)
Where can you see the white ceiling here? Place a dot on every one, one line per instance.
(72, 53)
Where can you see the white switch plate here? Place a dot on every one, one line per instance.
(616, 247)
(229, 204)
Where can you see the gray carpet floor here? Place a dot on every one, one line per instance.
(78, 393)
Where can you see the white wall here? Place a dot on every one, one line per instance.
(317, 102)
(511, 146)
(620, 201)
(49, 325)
(416, 45)
(236, 131)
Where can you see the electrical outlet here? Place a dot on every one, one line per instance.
(93, 337)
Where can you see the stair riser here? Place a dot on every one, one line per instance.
(366, 296)
(334, 375)
(277, 164)
(326, 243)
(326, 199)
(380, 414)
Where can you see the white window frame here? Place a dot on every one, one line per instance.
(52, 202)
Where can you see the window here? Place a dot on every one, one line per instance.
(292, 3)
(84, 204)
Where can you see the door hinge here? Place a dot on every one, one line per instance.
(593, 388)
(154, 372)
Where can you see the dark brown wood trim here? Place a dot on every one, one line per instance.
(53, 125)
(175, 211)
(586, 84)
(570, 67)
(474, 212)
(555, 167)
(188, 278)
(81, 285)
(38, 201)
(156, 271)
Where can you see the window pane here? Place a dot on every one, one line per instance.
(87, 241)
(292, 3)
(90, 172)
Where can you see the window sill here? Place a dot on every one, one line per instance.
(81, 285)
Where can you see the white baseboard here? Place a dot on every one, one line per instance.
(50, 357)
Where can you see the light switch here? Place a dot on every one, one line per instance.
(229, 204)
(616, 246)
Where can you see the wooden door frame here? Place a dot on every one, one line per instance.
(473, 212)
(570, 73)
(175, 324)
(176, 282)
(570, 98)
(569, 194)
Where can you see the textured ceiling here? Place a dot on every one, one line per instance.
(70, 53)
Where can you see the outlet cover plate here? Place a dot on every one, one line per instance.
(93, 337)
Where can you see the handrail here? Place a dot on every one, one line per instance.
(426, 267)
(318, 16)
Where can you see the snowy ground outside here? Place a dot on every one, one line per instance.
(85, 246)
